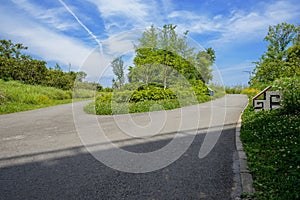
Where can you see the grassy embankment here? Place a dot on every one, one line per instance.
(271, 141)
(15, 96)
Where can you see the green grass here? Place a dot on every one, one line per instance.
(15, 96)
(271, 141)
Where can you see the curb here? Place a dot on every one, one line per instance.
(245, 176)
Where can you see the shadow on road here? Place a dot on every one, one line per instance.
(73, 173)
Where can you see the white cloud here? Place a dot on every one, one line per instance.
(127, 8)
(253, 25)
(240, 24)
(133, 12)
(188, 20)
(245, 65)
(45, 43)
(51, 45)
(121, 43)
(56, 17)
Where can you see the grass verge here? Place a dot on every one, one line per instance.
(271, 142)
(16, 97)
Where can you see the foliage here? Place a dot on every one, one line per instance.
(15, 65)
(290, 88)
(151, 93)
(162, 55)
(10, 50)
(271, 138)
(88, 86)
(292, 62)
(280, 60)
(271, 141)
(234, 90)
(166, 74)
(118, 69)
(16, 96)
(161, 66)
(251, 92)
(203, 60)
(147, 98)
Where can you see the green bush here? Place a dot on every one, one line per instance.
(109, 108)
(151, 93)
(104, 96)
(290, 88)
(103, 108)
(148, 97)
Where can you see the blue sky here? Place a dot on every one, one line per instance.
(76, 32)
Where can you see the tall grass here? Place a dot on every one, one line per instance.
(16, 96)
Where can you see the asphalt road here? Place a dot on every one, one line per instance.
(59, 153)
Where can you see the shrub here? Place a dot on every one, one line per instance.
(138, 97)
(103, 108)
(152, 93)
(41, 99)
(290, 88)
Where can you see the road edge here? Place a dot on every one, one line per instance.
(244, 175)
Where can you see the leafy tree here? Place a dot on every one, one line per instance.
(118, 69)
(10, 50)
(280, 59)
(149, 38)
(202, 61)
(15, 65)
(81, 76)
(162, 55)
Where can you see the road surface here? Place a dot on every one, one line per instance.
(51, 153)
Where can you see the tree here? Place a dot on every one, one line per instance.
(162, 54)
(203, 60)
(276, 62)
(149, 38)
(10, 50)
(81, 76)
(118, 69)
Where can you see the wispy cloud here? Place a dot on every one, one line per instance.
(128, 8)
(239, 24)
(82, 25)
(43, 42)
(54, 17)
(123, 15)
(242, 25)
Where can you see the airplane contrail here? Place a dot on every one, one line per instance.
(83, 26)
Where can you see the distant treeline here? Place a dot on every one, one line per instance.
(15, 65)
